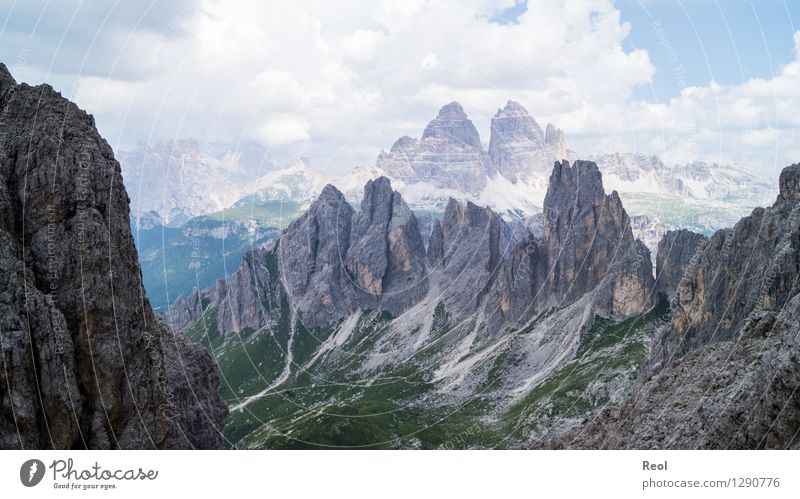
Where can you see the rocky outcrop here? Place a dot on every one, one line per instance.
(518, 149)
(435, 249)
(471, 249)
(449, 155)
(589, 244)
(88, 364)
(334, 261)
(452, 125)
(250, 294)
(386, 256)
(186, 311)
(675, 252)
(555, 140)
(752, 267)
(312, 252)
(586, 248)
(327, 264)
(724, 371)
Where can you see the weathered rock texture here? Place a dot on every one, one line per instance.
(86, 362)
(586, 247)
(449, 154)
(518, 148)
(724, 373)
(334, 261)
(386, 257)
(327, 264)
(675, 252)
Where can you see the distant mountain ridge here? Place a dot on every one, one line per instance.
(175, 181)
(511, 175)
(448, 160)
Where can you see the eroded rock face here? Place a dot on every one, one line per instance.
(753, 266)
(724, 372)
(250, 295)
(312, 253)
(386, 256)
(88, 364)
(471, 237)
(589, 244)
(436, 244)
(334, 261)
(675, 252)
(449, 154)
(518, 149)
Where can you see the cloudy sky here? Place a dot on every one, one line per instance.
(688, 80)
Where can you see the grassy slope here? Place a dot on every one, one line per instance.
(332, 406)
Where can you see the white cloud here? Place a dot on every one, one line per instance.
(336, 80)
(362, 72)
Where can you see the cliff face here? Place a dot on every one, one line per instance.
(675, 252)
(589, 244)
(386, 256)
(87, 364)
(724, 371)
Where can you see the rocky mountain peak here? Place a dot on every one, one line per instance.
(377, 201)
(675, 252)
(579, 184)
(789, 183)
(589, 242)
(512, 123)
(449, 154)
(452, 125)
(386, 256)
(518, 149)
(451, 111)
(555, 139)
(330, 196)
(404, 143)
(725, 365)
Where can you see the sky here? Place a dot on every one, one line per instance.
(688, 80)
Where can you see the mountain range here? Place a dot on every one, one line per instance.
(352, 329)
(510, 176)
(449, 160)
(366, 325)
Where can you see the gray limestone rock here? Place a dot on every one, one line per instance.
(311, 259)
(449, 154)
(386, 256)
(675, 252)
(589, 244)
(724, 372)
(88, 362)
(518, 149)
